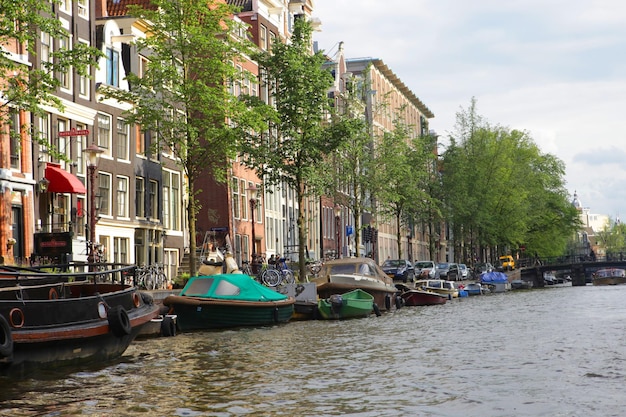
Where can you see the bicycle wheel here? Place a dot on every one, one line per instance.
(149, 282)
(161, 280)
(271, 277)
(288, 276)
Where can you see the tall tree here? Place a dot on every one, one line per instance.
(301, 129)
(28, 87)
(183, 97)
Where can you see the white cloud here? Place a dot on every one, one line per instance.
(555, 69)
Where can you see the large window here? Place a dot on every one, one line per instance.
(104, 192)
(84, 82)
(120, 250)
(122, 139)
(171, 200)
(46, 47)
(83, 8)
(244, 200)
(140, 197)
(113, 62)
(122, 197)
(104, 131)
(154, 199)
(236, 211)
(263, 37)
(14, 138)
(65, 77)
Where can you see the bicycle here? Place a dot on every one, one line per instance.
(277, 274)
(151, 277)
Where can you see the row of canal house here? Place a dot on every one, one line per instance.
(139, 210)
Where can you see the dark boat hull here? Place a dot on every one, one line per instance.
(51, 326)
(422, 298)
(198, 313)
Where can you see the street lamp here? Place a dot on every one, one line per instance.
(338, 230)
(92, 152)
(253, 205)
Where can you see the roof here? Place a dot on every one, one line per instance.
(120, 7)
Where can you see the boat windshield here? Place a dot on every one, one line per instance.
(199, 287)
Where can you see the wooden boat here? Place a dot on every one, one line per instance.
(419, 297)
(355, 303)
(56, 324)
(342, 275)
(520, 284)
(228, 300)
(305, 307)
(439, 286)
(609, 276)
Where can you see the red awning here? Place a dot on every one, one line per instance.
(62, 181)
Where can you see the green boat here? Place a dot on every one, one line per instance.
(355, 303)
(228, 300)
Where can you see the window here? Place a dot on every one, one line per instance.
(46, 47)
(83, 8)
(263, 37)
(44, 134)
(81, 209)
(84, 83)
(272, 40)
(244, 206)
(120, 250)
(64, 5)
(65, 76)
(104, 130)
(104, 193)
(154, 202)
(171, 200)
(140, 197)
(122, 139)
(62, 142)
(140, 143)
(122, 197)
(236, 211)
(14, 138)
(143, 66)
(113, 61)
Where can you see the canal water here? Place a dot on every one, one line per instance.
(550, 352)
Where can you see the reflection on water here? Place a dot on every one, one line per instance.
(553, 352)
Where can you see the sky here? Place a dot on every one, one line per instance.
(553, 68)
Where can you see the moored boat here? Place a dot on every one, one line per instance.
(352, 304)
(228, 300)
(439, 286)
(520, 284)
(342, 275)
(420, 297)
(56, 324)
(474, 288)
(609, 276)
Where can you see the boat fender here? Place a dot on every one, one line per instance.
(376, 309)
(398, 302)
(119, 323)
(387, 302)
(449, 296)
(168, 327)
(275, 314)
(6, 341)
(147, 298)
(136, 301)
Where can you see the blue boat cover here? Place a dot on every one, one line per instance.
(230, 287)
(493, 277)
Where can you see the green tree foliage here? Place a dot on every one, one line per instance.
(184, 97)
(503, 192)
(301, 130)
(28, 87)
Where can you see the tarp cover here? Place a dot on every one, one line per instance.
(493, 277)
(230, 287)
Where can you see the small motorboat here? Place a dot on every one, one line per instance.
(228, 300)
(355, 303)
(420, 297)
(475, 288)
(439, 286)
(609, 276)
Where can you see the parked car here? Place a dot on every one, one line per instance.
(425, 269)
(448, 271)
(482, 268)
(464, 271)
(507, 262)
(399, 269)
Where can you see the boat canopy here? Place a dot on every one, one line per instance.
(230, 287)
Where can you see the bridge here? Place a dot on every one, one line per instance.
(579, 270)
